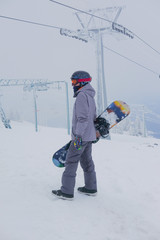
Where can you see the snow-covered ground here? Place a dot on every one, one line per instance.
(127, 206)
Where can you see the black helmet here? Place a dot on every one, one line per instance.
(81, 76)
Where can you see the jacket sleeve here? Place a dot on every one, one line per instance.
(82, 113)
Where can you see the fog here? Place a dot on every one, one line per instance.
(31, 51)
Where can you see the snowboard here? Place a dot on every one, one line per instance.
(111, 116)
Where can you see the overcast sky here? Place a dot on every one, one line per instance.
(30, 51)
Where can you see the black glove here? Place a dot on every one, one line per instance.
(102, 125)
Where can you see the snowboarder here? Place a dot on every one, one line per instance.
(83, 133)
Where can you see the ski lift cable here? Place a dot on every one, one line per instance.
(31, 22)
(51, 26)
(140, 65)
(82, 11)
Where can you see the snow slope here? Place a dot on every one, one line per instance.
(126, 207)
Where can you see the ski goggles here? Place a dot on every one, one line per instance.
(75, 81)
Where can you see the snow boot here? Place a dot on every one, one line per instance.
(61, 195)
(87, 191)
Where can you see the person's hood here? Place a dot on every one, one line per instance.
(87, 89)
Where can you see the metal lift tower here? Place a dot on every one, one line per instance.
(94, 28)
(34, 85)
(5, 120)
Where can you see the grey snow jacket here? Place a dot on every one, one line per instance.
(84, 114)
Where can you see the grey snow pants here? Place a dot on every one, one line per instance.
(74, 156)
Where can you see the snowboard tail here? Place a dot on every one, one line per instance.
(119, 109)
